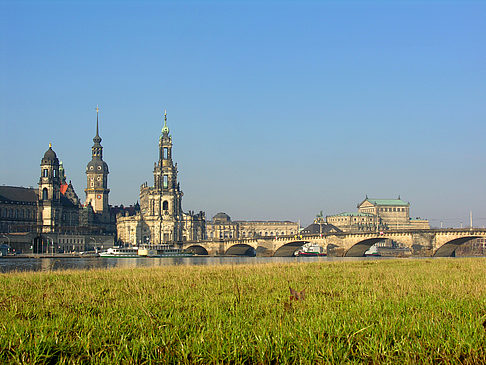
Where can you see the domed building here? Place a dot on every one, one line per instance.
(222, 227)
(51, 218)
(55, 211)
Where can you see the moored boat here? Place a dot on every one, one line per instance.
(310, 250)
(162, 251)
(120, 252)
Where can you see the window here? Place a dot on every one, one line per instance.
(54, 173)
(166, 181)
(45, 173)
(45, 195)
(166, 153)
(165, 205)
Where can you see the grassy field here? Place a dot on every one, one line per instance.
(391, 311)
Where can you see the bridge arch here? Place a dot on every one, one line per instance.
(448, 249)
(359, 248)
(197, 250)
(289, 248)
(241, 249)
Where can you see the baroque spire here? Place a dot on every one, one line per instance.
(97, 138)
(97, 149)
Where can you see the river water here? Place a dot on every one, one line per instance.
(83, 263)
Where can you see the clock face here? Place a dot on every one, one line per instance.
(98, 196)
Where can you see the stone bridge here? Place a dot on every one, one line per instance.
(427, 242)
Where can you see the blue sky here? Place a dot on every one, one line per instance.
(277, 109)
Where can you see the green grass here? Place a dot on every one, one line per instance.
(393, 311)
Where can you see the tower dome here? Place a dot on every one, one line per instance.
(50, 156)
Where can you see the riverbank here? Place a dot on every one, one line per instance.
(388, 311)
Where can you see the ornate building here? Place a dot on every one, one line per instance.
(378, 215)
(51, 218)
(222, 227)
(161, 218)
(96, 210)
(56, 212)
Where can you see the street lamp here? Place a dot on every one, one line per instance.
(52, 245)
(8, 238)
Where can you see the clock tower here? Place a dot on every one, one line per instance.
(97, 176)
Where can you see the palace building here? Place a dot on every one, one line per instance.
(161, 218)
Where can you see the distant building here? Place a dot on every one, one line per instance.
(161, 218)
(319, 226)
(222, 227)
(378, 215)
(51, 217)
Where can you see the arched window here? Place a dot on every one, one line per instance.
(54, 172)
(45, 173)
(45, 195)
(165, 205)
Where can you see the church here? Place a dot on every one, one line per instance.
(160, 219)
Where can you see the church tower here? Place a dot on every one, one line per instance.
(161, 219)
(161, 205)
(165, 176)
(97, 176)
(49, 192)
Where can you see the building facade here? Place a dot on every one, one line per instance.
(222, 227)
(161, 218)
(52, 217)
(378, 215)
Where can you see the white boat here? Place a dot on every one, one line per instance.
(162, 251)
(310, 249)
(120, 252)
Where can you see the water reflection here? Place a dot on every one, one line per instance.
(83, 263)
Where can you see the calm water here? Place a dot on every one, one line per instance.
(49, 264)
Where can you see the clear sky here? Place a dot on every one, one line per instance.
(277, 109)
